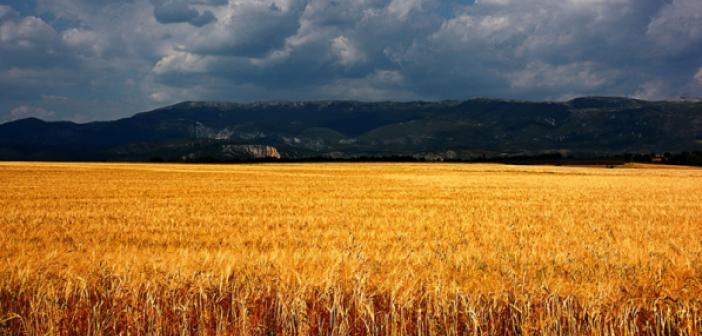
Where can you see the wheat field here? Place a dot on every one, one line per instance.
(349, 249)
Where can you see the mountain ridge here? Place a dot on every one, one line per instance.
(347, 129)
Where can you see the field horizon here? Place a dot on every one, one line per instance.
(349, 249)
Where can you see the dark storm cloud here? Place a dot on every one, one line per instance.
(110, 58)
(181, 12)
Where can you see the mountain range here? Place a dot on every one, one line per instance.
(456, 130)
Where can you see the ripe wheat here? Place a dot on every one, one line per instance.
(348, 249)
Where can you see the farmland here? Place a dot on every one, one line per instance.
(338, 249)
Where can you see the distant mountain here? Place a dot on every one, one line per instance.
(348, 129)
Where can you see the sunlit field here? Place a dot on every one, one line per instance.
(349, 249)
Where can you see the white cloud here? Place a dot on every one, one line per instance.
(698, 76)
(581, 76)
(29, 31)
(677, 27)
(247, 28)
(346, 51)
(402, 8)
(181, 62)
(86, 42)
(652, 90)
(26, 111)
(6, 12)
(379, 85)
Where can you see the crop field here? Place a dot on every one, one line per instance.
(349, 249)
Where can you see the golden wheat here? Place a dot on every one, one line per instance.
(348, 249)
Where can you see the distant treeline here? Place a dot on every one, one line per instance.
(683, 158)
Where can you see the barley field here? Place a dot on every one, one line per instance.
(349, 249)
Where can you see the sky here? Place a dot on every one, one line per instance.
(85, 60)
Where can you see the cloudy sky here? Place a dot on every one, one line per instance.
(102, 59)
